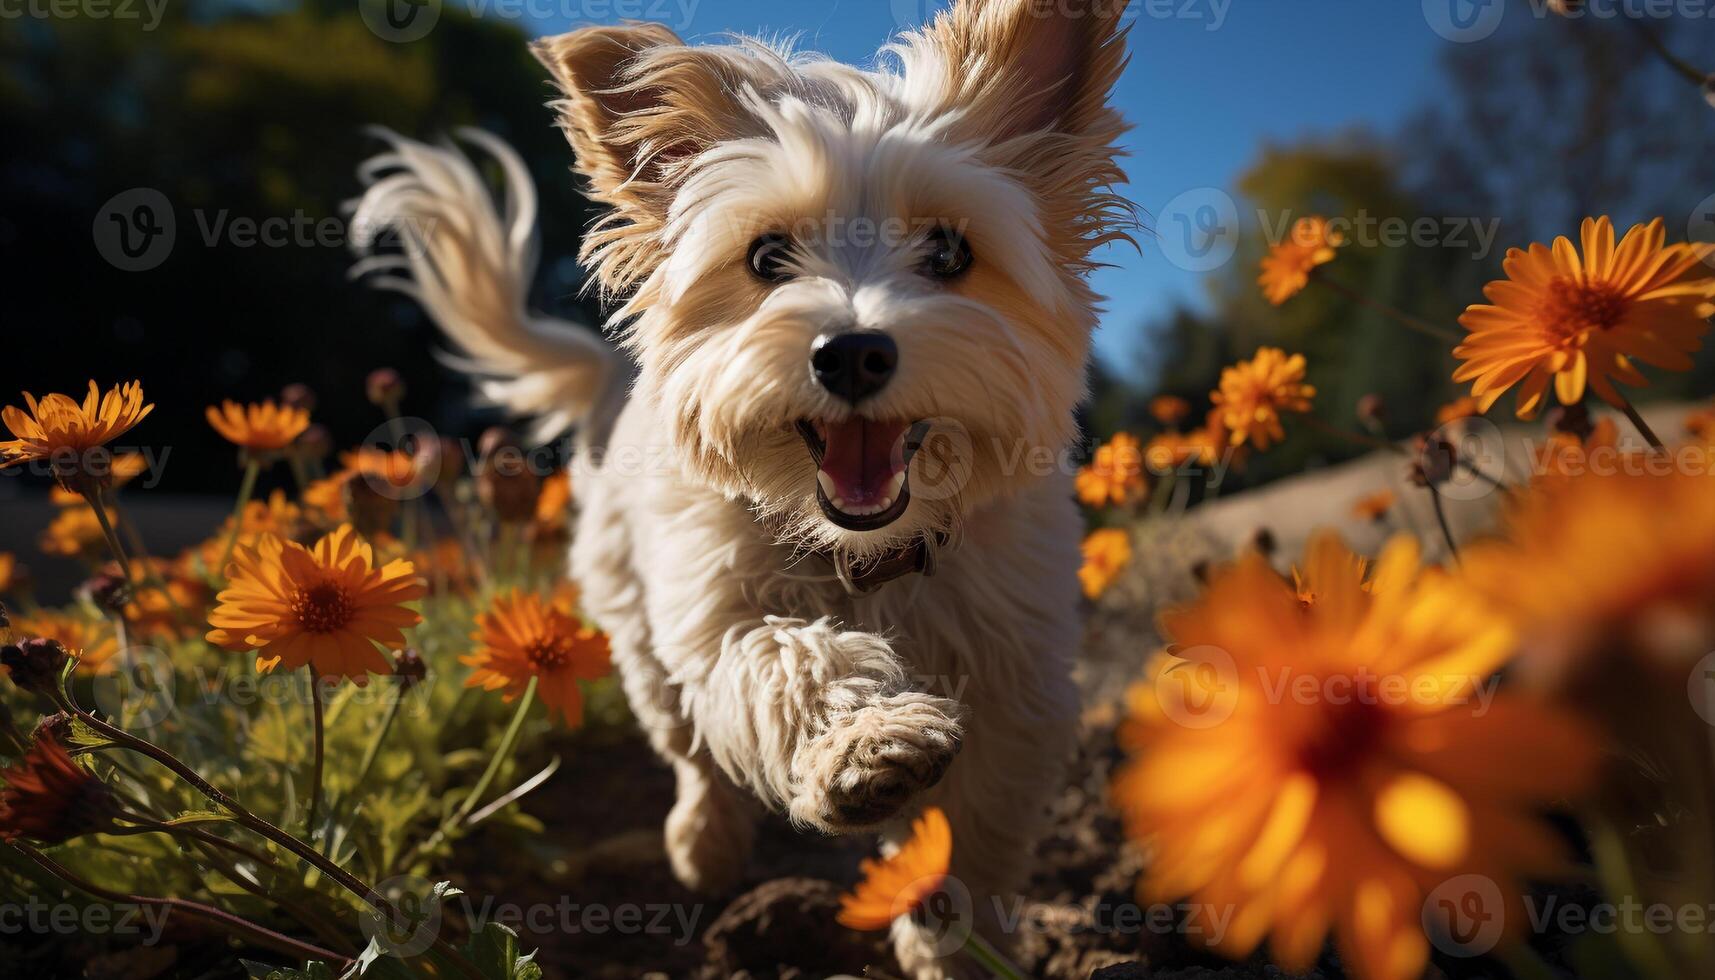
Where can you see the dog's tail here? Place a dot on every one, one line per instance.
(469, 262)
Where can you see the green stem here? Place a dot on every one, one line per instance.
(1614, 868)
(321, 741)
(225, 921)
(501, 753)
(1441, 519)
(97, 502)
(991, 959)
(252, 470)
(1638, 423)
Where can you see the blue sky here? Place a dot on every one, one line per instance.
(1210, 82)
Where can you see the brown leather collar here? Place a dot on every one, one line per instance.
(917, 557)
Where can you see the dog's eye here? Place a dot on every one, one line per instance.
(770, 256)
(948, 254)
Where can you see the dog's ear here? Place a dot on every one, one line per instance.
(1030, 66)
(637, 103)
(1032, 79)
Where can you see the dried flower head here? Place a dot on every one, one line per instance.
(49, 798)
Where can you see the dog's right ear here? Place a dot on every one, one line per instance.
(638, 102)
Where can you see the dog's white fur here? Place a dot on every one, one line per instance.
(700, 547)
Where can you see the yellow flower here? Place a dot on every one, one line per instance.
(1254, 394)
(899, 885)
(267, 427)
(523, 636)
(91, 640)
(1580, 321)
(1115, 474)
(1203, 445)
(277, 516)
(1375, 506)
(1287, 266)
(63, 432)
(1322, 768)
(1459, 408)
(1169, 410)
(326, 607)
(75, 532)
(1106, 553)
(1612, 559)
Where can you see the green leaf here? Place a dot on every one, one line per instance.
(494, 950)
(198, 816)
(313, 970)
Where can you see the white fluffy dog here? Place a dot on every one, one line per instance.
(826, 526)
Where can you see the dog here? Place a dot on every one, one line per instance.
(854, 320)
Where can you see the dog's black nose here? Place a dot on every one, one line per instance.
(854, 366)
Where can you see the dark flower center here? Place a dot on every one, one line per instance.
(322, 608)
(1571, 308)
(1349, 731)
(549, 653)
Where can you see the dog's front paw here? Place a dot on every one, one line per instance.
(873, 760)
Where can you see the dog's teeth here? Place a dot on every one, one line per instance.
(894, 486)
(826, 482)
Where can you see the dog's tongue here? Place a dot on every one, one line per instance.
(861, 459)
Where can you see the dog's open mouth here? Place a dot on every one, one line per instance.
(862, 469)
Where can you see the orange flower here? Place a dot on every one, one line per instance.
(1255, 393)
(62, 432)
(75, 532)
(1106, 553)
(327, 607)
(1580, 321)
(522, 636)
(1169, 410)
(12, 574)
(1322, 768)
(166, 609)
(1115, 474)
(1287, 267)
(277, 516)
(1375, 506)
(49, 798)
(267, 427)
(92, 641)
(899, 885)
(326, 498)
(1459, 408)
(1616, 557)
(1203, 446)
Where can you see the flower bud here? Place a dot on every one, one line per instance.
(1433, 463)
(1372, 411)
(410, 669)
(504, 482)
(1574, 420)
(35, 664)
(298, 395)
(386, 388)
(314, 444)
(107, 589)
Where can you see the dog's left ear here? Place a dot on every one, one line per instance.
(1032, 80)
(1023, 67)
